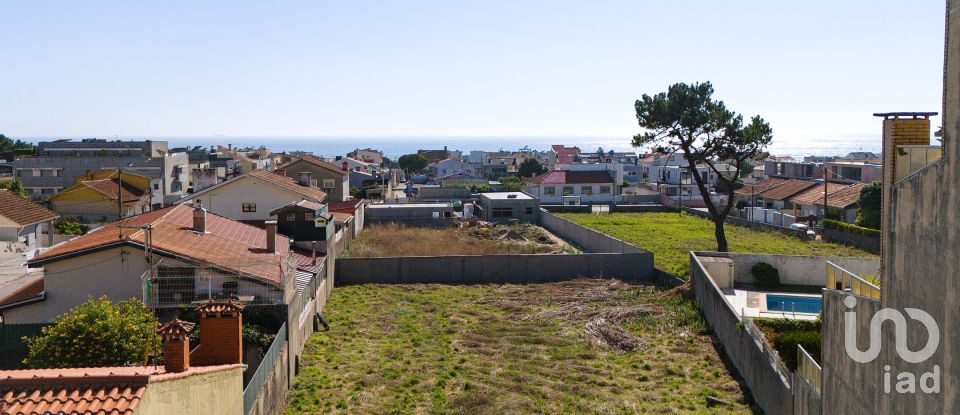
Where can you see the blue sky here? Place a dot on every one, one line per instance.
(814, 69)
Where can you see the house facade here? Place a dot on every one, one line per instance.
(23, 221)
(332, 179)
(253, 196)
(583, 187)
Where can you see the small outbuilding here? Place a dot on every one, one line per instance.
(504, 206)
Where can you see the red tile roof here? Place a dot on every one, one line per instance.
(787, 190)
(316, 161)
(110, 187)
(21, 211)
(227, 244)
(760, 186)
(175, 327)
(565, 154)
(26, 293)
(846, 197)
(814, 195)
(220, 307)
(348, 206)
(289, 184)
(572, 177)
(83, 391)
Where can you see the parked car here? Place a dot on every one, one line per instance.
(803, 227)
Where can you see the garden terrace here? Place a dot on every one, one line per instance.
(396, 240)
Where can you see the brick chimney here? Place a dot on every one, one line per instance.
(221, 334)
(199, 217)
(305, 178)
(271, 235)
(176, 345)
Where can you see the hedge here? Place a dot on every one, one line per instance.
(852, 229)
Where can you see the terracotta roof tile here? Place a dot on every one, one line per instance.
(228, 244)
(814, 195)
(220, 307)
(175, 327)
(21, 211)
(290, 184)
(110, 187)
(83, 391)
(786, 190)
(760, 186)
(346, 205)
(846, 197)
(316, 161)
(25, 293)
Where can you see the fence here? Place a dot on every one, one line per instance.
(808, 369)
(173, 285)
(761, 368)
(841, 279)
(260, 378)
(734, 220)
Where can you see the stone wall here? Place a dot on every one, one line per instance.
(863, 242)
(770, 388)
(481, 269)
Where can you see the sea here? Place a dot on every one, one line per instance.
(394, 147)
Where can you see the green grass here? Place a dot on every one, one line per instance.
(483, 349)
(671, 237)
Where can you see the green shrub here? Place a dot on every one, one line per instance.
(786, 345)
(69, 227)
(766, 275)
(742, 204)
(852, 229)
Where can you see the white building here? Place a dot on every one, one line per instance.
(252, 196)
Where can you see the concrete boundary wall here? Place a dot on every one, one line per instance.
(769, 389)
(587, 239)
(863, 242)
(733, 220)
(796, 269)
(482, 269)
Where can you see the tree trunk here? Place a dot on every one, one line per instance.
(721, 236)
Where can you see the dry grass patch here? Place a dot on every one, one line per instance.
(586, 346)
(387, 240)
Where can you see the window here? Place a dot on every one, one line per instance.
(703, 176)
(46, 191)
(156, 186)
(291, 217)
(567, 190)
(249, 207)
(529, 210)
(313, 183)
(328, 183)
(501, 212)
(586, 190)
(308, 216)
(549, 191)
(604, 190)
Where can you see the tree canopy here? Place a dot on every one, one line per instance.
(511, 183)
(530, 167)
(95, 333)
(9, 147)
(15, 186)
(870, 202)
(686, 119)
(413, 163)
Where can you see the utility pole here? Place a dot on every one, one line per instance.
(826, 175)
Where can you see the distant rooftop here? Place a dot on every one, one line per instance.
(506, 195)
(904, 114)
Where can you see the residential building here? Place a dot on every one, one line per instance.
(204, 177)
(778, 197)
(434, 156)
(194, 255)
(751, 192)
(23, 221)
(502, 207)
(850, 172)
(349, 163)
(333, 179)
(447, 167)
(792, 169)
(57, 164)
(252, 197)
(842, 201)
(304, 221)
(574, 187)
(416, 213)
(107, 195)
(565, 155)
(367, 155)
(478, 157)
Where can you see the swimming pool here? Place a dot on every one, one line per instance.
(794, 303)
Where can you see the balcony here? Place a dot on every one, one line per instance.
(909, 159)
(843, 280)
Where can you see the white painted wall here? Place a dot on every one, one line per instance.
(228, 199)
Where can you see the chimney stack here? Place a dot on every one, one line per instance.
(221, 334)
(199, 217)
(305, 178)
(345, 166)
(271, 235)
(176, 345)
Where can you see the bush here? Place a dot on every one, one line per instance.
(851, 229)
(766, 275)
(786, 345)
(69, 227)
(742, 204)
(96, 333)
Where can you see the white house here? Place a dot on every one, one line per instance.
(449, 166)
(574, 187)
(251, 197)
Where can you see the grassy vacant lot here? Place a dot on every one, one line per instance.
(385, 240)
(671, 237)
(585, 346)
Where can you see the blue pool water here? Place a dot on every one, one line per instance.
(794, 304)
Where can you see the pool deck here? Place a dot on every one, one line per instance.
(750, 303)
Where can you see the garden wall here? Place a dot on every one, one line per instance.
(769, 386)
(796, 269)
(480, 269)
(587, 239)
(806, 399)
(863, 242)
(733, 220)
